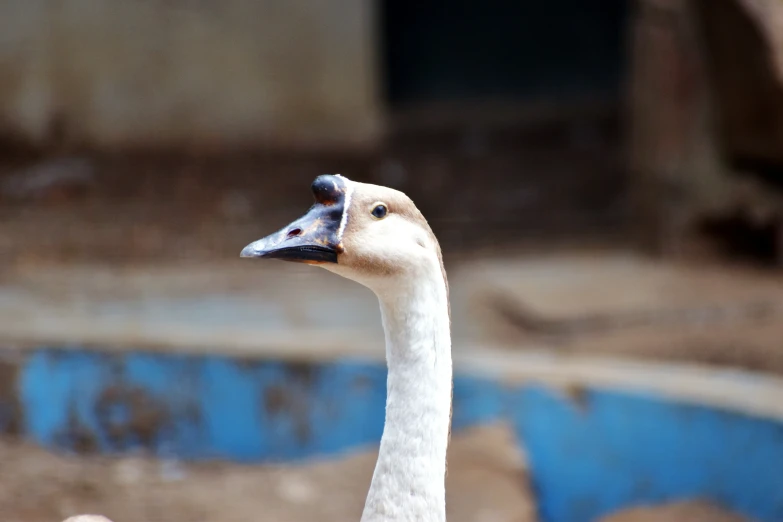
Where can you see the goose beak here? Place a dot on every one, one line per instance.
(306, 240)
(313, 238)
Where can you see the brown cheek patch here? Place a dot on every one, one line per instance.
(361, 259)
(369, 264)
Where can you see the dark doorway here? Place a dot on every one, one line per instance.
(501, 50)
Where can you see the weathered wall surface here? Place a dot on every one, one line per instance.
(188, 72)
(744, 39)
(706, 123)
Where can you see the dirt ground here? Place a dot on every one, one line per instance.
(486, 482)
(625, 305)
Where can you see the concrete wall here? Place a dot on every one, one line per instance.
(185, 72)
(744, 39)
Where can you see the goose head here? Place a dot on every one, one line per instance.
(370, 234)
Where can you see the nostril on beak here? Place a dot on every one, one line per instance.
(294, 232)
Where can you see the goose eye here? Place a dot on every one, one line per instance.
(379, 211)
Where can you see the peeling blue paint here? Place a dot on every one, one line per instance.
(204, 407)
(610, 450)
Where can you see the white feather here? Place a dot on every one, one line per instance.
(346, 206)
(409, 478)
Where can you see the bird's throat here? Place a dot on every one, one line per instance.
(408, 482)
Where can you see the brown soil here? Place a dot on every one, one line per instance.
(692, 511)
(624, 305)
(486, 482)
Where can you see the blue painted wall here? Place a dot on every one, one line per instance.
(610, 450)
(201, 407)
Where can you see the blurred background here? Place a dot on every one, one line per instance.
(604, 177)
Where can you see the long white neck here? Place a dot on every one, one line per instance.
(409, 478)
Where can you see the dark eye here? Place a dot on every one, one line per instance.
(379, 211)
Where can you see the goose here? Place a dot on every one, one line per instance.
(376, 236)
